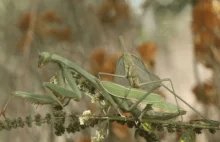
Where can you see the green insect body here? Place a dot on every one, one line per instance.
(160, 108)
(64, 86)
(36, 98)
(188, 136)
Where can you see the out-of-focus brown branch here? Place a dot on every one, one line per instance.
(30, 32)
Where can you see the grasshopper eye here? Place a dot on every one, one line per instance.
(43, 59)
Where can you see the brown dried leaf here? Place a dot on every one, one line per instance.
(109, 67)
(50, 16)
(207, 95)
(206, 32)
(24, 21)
(96, 60)
(63, 34)
(147, 52)
(42, 27)
(112, 11)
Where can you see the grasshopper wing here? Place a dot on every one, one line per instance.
(144, 75)
(120, 70)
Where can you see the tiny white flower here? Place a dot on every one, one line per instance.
(95, 98)
(99, 137)
(85, 117)
(54, 80)
(87, 112)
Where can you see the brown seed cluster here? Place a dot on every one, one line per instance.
(147, 52)
(206, 39)
(101, 61)
(44, 28)
(114, 11)
(206, 32)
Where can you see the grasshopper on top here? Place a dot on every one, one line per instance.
(134, 71)
(131, 71)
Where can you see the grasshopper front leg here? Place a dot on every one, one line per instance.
(55, 92)
(49, 98)
(60, 91)
(33, 98)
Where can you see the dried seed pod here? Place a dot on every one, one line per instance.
(28, 121)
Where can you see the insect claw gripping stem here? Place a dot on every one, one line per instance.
(3, 113)
(5, 107)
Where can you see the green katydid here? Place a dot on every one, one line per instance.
(130, 70)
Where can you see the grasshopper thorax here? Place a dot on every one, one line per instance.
(130, 69)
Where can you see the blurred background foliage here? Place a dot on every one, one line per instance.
(177, 39)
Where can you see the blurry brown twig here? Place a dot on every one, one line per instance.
(30, 31)
(147, 52)
(42, 28)
(113, 11)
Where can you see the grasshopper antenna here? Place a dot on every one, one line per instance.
(122, 43)
(38, 51)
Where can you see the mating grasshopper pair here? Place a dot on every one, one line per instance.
(122, 98)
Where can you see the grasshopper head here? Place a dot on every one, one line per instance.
(44, 57)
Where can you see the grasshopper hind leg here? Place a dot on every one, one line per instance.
(159, 84)
(175, 95)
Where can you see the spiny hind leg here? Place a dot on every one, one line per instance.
(5, 107)
(184, 102)
(30, 97)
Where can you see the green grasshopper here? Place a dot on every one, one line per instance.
(130, 70)
(67, 67)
